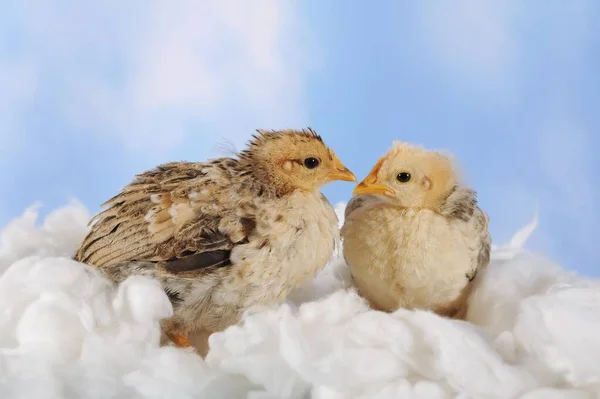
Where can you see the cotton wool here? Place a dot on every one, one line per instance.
(68, 332)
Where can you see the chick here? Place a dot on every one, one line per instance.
(414, 236)
(225, 234)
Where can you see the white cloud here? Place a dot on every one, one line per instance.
(18, 86)
(149, 73)
(471, 37)
(565, 159)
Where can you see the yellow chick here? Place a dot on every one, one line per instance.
(414, 236)
(225, 234)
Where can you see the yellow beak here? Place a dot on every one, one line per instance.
(343, 174)
(370, 186)
(340, 172)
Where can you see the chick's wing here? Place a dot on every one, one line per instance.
(482, 243)
(461, 205)
(186, 216)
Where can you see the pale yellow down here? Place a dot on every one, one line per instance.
(417, 244)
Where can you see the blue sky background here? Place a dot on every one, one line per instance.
(93, 93)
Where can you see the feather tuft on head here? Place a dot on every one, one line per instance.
(293, 159)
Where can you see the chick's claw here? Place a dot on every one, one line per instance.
(180, 340)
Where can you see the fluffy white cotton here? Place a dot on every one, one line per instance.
(67, 332)
(59, 235)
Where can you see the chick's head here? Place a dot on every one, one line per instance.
(411, 177)
(295, 159)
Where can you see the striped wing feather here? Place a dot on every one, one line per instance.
(155, 219)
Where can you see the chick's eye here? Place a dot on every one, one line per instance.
(311, 162)
(403, 177)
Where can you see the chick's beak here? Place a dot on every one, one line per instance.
(367, 188)
(370, 186)
(340, 172)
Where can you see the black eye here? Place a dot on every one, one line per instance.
(311, 162)
(403, 177)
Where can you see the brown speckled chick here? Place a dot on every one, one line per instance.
(413, 235)
(224, 234)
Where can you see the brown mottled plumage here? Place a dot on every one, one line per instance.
(413, 235)
(225, 234)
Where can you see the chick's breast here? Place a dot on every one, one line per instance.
(294, 238)
(407, 258)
